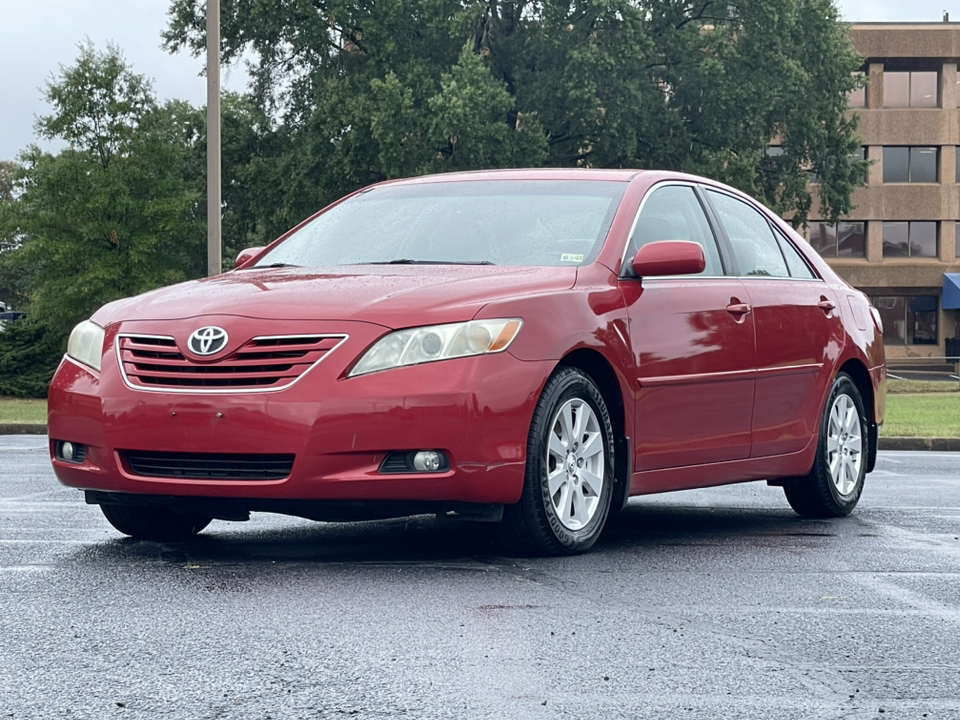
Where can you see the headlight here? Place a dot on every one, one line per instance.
(438, 342)
(86, 344)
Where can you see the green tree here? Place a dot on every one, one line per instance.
(8, 171)
(360, 91)
(118, 211)
(12, 282)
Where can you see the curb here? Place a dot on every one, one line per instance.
(919, 443)
(23, 429)
(886, 443)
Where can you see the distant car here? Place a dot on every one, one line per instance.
(530, 347)
(7, 316)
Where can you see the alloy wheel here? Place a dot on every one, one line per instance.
(575, 463)
(844, 444)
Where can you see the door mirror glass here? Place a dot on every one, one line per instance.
(669, 257)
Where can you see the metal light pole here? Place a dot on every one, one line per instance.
(213, 138)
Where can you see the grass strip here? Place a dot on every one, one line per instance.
(898, 387)
(19, 410)
(922, 415)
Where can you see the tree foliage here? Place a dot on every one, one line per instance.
(115, 213)
(362, 91)
(29, 354)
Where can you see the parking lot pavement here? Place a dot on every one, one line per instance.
(712, 604)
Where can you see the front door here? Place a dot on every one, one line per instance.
(694, 344)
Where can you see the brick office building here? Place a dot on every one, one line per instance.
(900, 244)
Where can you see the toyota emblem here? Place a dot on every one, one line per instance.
(207, 340)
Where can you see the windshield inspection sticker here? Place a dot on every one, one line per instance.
(571, 257)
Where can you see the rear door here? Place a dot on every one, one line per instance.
(799, 333)
(693, 342)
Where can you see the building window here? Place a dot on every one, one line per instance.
(845, 239)
(860, 154)
(858, 98)
(917, 89)
(910, 164)
(908, 319)
(910, 239)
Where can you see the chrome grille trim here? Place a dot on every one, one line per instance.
(165, 345)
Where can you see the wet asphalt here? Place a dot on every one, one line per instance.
(711, 604)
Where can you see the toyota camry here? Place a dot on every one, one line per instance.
(526, 347)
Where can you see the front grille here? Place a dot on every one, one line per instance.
(263, 363)
(208, 466)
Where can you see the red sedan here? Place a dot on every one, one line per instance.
(526, 347)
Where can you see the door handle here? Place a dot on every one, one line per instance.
(738, 309)
(827, 305)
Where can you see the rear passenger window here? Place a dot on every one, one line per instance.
(754, 244)
(795, 263)
(673, 212)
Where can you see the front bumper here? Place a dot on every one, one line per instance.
(476, 410)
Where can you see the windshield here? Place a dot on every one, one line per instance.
(502, 222)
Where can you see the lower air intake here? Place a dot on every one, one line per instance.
(208, 466)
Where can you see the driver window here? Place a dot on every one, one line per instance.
(673, 212)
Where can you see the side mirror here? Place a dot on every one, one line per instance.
(246, 256)
(669, 257)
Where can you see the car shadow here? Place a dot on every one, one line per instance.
(427, 540)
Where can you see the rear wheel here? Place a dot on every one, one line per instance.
(154, 523)
(569, 474)
(834, 485)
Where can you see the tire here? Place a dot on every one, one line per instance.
(154, 523)
(568, 482)
(835, 483)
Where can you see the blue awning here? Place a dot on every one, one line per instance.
(951, 291)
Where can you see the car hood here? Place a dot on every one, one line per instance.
(392, 296)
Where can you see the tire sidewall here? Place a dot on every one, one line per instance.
(572, 385)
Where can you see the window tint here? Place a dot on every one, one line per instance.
(754, 243)
(896, 89)
(908, 319)
(923, 239)
(923, 89)
(910, 89)
(795, 263)
(896, 164)
(845, 239)
(923, 164)
(673, 212)
(910, 164)
(910, 239)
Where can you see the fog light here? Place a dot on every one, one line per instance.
(427, 461)
(71, 452)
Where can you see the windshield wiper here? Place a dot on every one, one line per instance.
(275, 265)
(408, 261)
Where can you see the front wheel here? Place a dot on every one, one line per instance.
(834, 485)
(569, 473)
(154, 523)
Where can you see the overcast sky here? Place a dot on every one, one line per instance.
(36, 36)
